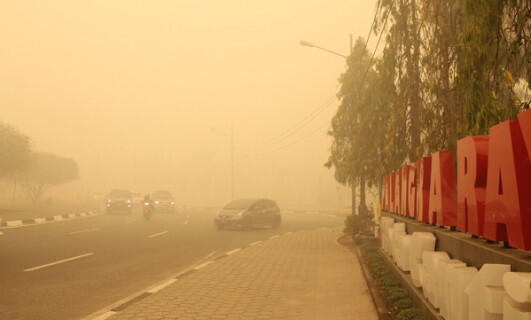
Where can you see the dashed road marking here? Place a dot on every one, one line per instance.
(58, 218)
(202, 265)
(255, 243)
(14, 223)
(185, 222)
(59, 262)
(40, 220)
(233, 251)
(106, 315)
(273, 237)
(161, 286)
(84, 231)
(158, 234)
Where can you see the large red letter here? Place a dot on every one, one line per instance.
(442, 189)
(404, 172)
(412, 191)
(423, 189)
(524, 119)
(392, 179)
(508, 202)
(398, 194)
(472, 155)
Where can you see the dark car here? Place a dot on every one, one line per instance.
(163, 201)
(119, 201)
(248, 213)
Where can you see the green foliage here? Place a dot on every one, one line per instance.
(14, 150)
(410, 314)
(46, 170)
(449, 69)
(397, 297)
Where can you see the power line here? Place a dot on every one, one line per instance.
(372, 24)
(302, 123)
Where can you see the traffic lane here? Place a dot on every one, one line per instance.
(125, 260)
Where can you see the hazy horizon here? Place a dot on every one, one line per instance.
(143, 94)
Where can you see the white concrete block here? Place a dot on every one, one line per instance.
(386, 223)
(443, 284)
(518, 286)
(395, 243)
(433, 266)
(492, 274)
(458, 302)
(422, 241)
(399, 226)
(404, 250)
(415, 274)
(516, 311)
(484, 301)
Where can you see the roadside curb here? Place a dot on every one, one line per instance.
(43, 220)
(109, 311)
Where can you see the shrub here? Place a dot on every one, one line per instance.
(410, 314)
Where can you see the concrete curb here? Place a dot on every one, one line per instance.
(42, 220)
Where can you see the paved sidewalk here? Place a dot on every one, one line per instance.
(302, 275)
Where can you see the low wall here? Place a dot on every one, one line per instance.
(474, 251)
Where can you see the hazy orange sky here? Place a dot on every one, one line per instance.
(142, 94)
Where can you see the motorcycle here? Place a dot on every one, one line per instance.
(147, 210)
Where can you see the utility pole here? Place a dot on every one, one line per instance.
(232, 159)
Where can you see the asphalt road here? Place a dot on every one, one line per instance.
(67, 270)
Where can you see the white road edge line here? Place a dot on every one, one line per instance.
(161, 286)
(233, 251)
(158, 234)
(202, 265)
(84, 231)
(106, 315)
(58, 262)
(209, 255)
(255, 243)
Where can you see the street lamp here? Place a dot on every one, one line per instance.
(311, 45)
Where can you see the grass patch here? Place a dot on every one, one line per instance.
(398, 300)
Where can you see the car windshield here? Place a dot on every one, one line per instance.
(120, 194)
(240, 204)
(162, 195)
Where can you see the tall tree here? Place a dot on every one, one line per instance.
(46, 170)
(14, 150)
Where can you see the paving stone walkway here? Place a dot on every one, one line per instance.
(302, 275)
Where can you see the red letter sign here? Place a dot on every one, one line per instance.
(404, 172)
(472, 155)
(423, 189)
(412, 191)
(508, 203)
(524, 119)
(398, 193)
(442, 189)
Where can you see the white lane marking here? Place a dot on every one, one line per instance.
(40, 220)
(186, 222)
(58, 262)
(202, 265)
(273, 237)
(288, 233)
(84, 231)
(14, 223)
(83, 214)
(233, 251)
(209, 255)
(58, 218)
(255, 243)
(72, 215)
(158, 234)
(161, 286)
(105, 316)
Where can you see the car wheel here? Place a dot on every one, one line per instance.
(276, 223)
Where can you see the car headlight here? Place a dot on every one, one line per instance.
(146, 203)
(172, 203)
(109, 200)
(156, 202)
(240, 214)
(128, 201)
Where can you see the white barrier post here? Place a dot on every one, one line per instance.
(517, 302)
(485, 293)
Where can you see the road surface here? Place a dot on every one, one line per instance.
(69, 269)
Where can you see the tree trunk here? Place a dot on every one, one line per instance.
(353, 189)
(363, 203)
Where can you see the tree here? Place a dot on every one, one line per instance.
(14, 150)
(352, 153)
(46, 170)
